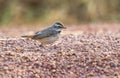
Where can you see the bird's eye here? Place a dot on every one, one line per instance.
(57, 26)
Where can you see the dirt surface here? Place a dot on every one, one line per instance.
(85, 51)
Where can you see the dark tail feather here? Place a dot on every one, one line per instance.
(27, 36)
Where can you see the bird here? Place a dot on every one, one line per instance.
(48, 35)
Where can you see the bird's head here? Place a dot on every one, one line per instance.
(58, 25)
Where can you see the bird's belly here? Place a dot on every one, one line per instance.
(48, 40)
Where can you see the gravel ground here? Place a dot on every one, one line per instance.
(89, 52)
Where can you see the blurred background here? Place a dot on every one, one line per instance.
(27, 12)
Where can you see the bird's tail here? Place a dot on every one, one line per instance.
(28, 36)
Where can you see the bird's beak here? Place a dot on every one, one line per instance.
(64, 27)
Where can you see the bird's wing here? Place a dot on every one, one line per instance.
(44, 33)
(44, 30)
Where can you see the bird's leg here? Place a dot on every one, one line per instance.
(41, 45)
